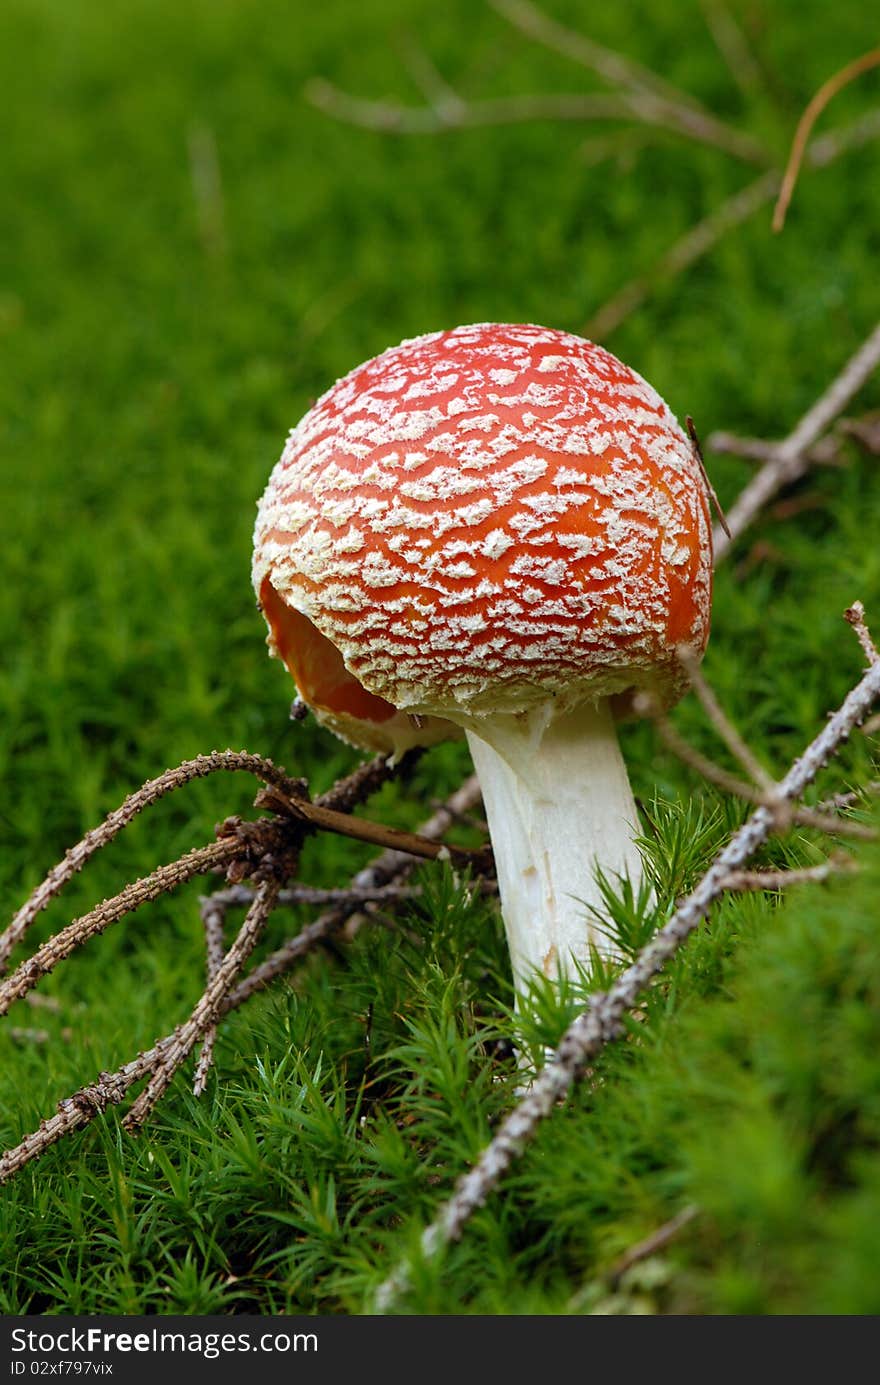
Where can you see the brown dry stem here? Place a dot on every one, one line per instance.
(111, 1088)
(814, 109)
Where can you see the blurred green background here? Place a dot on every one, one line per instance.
(191, 252)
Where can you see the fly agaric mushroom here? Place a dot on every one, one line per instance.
(500, 529)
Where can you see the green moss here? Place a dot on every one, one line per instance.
(152, 366)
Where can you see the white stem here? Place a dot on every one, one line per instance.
(559, 804)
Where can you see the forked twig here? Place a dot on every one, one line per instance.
(706, 233)
(855, 614)
(838, 864)
(653, 99)
(100, 836)
(111, 1088)
(67, 940)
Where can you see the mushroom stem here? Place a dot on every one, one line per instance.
(559, 804)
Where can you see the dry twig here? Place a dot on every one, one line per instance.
(814, 109)
(638, 94)
(790, 459)
(213, 916)
(657, 1240)
(855, 614)
(187, 1035)
(113, 824)
(706, 233)
(111, 1088)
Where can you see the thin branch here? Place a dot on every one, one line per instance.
(297, 894)
(826, 452)
(852, 798)
(653, 99)
(658, 1240)
(391, 118)
(139, 892)
(362, 829)
(638, 94)
(366, 780)
(731, 44)
(702, 237)
(82, 1106)
(602, 1022)
(738, 747)
(814, 109)
(99, 836)
(790, 461)
(855, 615)
(205, 1013)
(439, 94)
(738, 880)
(785, 814)
(692, 246)
(213, 915)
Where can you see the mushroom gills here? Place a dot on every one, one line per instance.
(338, 699)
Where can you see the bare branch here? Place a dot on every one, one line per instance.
(826, 452)
(80, 1108)
(213, 915)
(732, 46)
(652, 99)
(165, 878)
(657, 1240)
(781, 879)
(99, 836)
(855, 614)
(785, 814)
(396, 119)
(440, 95)
(814, 109)
(738, 747)
(702, 237)
(111, 1088)
(187, 1035)
(790, 460)
(601, 1023)
(366, 780)
(851, 798)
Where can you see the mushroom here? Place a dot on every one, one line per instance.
(501, 530)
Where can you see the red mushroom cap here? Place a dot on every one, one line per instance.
(477, 520)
